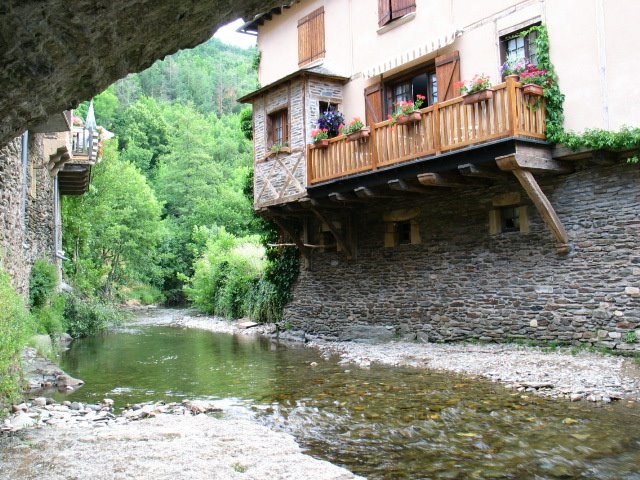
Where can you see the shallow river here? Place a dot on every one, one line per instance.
(382, 422)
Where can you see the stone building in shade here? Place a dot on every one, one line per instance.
(51, 160)
(463, 221)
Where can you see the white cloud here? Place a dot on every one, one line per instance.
(228, 34)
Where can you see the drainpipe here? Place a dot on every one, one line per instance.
(25, 183)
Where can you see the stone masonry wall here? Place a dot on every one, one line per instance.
(463, 283)
(24, 240)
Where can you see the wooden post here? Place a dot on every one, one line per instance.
(539, 199)
(336, 234)
(436, 127)
(512, 106)
(373, 145)
(309, 169)
(304, 251)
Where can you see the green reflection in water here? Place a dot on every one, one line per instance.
(382, 422)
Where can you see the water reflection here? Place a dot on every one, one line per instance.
(381, 422)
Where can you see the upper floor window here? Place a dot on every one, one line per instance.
(422, 82)
(311, 37)
(516, 47)
(278, 128)
(390, 10)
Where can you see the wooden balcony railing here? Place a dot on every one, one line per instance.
(443, 127)
(84, 143)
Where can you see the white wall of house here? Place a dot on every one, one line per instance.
(592, 47)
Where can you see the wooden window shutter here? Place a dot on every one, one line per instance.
(448, 74)
(373, 104)
(384, 12)
(400, 8)
(285, 126)
(311, 37)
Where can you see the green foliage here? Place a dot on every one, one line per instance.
(144, 294)
(223, 277)
(553, 96)
(626, 139)
(50, 318)
(631, 336)
(16, 326)
(42, 283)
(246, 123)
(114, 230)
(86, 316)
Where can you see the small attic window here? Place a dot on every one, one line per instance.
(403, 230)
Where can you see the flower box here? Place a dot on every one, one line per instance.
(324, 143)
(481, 96)
(533, 89)
(358, 134)
(410, 118)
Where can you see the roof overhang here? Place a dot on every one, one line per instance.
(251, 27)
(309, 72)
(59, 122)
(423, 51)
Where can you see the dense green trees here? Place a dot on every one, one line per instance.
(169, 206)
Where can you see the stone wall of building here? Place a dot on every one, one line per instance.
(461, 282)
(25, 238)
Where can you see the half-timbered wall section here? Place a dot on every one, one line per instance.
(280, 173)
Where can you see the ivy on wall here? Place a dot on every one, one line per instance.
(627, 138)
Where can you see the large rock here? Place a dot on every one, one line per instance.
(55, 53)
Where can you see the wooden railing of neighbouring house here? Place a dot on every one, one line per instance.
(443, 127)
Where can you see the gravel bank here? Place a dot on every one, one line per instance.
(175, 441)
(558, 374)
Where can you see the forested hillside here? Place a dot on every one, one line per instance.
(171, 197)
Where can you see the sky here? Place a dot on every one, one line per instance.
(229, 35)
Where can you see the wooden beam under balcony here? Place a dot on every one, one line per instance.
(304, 251)
(447, 179)
(481, 171)
(513, 164)
(403, 186)
(339, 197)
(534, 162)
(340, 239)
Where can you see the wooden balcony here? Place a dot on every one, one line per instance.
(443, 127)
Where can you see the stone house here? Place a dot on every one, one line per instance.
(463, 222)
(36, 168)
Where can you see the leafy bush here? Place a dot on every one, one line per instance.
(49, 318)
(223, 277)
(15, 328)
(43, 283)
(144, 294)
(88, 316)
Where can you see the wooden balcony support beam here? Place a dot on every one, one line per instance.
(340, 239)
(304, 250)
(535, 161)
(539, 199)
(447, 180)
(339, 197)
(476, 171)
(402, 186)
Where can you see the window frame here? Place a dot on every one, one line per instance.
(529, 41)
(389, 85)
(272, 127)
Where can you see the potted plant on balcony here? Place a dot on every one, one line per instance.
(535, 80)
(320, 137)
(512, 68)
(355, 130)
(407, 112)
(476, 90)
(331, 120)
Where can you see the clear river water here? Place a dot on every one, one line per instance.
(380, 422)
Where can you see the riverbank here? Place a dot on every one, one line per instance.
(560, 373)
(57, 441)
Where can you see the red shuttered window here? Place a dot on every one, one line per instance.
(389, 10)
(311, 37)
